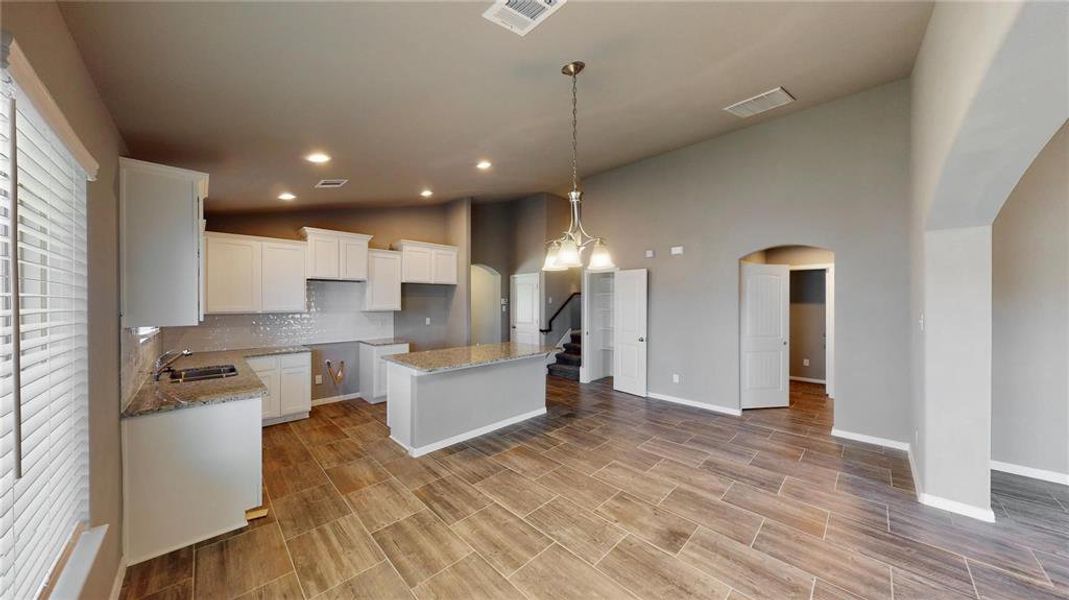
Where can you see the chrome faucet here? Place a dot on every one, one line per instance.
(165, 360)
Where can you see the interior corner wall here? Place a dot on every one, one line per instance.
(41, 32)
(1030, 317)
(458, 233)
(840, 181)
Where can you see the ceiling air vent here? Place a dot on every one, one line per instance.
(521, 16)
(760, 103)
(332, 183)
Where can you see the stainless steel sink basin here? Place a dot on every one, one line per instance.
(202, 373)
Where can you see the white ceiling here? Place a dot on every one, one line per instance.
(411, 95)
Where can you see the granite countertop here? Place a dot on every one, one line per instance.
(447, 359)
(164, 395)
(384, 342)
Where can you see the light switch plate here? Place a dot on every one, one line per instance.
(427, 321)
(677, 250)
(650, 254)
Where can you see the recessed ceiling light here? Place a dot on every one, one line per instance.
(317, 157)
(483, 165)
(426, 193)
(286, 196)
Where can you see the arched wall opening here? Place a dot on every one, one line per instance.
(485, 305)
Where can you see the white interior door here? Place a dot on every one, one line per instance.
(764, 332)
(526, 301)
(629, 331)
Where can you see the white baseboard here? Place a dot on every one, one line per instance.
(120, 576)
(456, 439)
(870, 439)
(808, 380)
(968, 510)
(1041, 474)
(710, 407)
(916, 474)
(333, 399)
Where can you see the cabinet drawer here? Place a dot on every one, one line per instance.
(302, 359)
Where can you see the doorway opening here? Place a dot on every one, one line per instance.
(487, 309)
(786, 326)
(597, 327)
(615, 308)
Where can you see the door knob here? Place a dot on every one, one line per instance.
(784, 342)
(642, 339)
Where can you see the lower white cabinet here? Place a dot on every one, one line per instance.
(383, 290)
(373, 369)
(249, 274)
(288, 379)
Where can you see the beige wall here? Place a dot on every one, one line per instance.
(808, 313)
(834, 176)
(799, 255)
(1030, 311)
(42, 34)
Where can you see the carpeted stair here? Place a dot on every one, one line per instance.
(567, 365)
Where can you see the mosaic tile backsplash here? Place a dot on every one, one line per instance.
(138, 355)
(335, 314)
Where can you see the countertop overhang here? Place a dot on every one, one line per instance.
(464, 357)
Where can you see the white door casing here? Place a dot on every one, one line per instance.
(629, 313)
(764, 335)
(526, 292)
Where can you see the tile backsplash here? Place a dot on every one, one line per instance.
(335, 314)
(139, 352)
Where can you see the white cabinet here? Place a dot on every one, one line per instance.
(288, 379)
(336, 254)
(383, 291)
(160, 213)
(373, 369)
(423, 262)
(248, 274)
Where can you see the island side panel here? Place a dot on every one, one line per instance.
(399, 403)
(456, 405)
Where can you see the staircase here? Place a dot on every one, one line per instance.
(567, 365)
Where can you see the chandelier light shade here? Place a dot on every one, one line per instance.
(566, 252)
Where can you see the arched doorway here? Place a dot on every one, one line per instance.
(787, 329)
(486, 314)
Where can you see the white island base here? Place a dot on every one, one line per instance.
(431, 408)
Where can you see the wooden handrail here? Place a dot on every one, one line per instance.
(574, 294)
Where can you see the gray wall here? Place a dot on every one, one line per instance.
(491, 245)
(458, 233)
(807, 324)
(42, 34)
(834, 176)
(1030, 312)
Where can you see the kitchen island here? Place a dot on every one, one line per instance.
(438, 398)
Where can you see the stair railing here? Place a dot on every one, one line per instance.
(562, 306)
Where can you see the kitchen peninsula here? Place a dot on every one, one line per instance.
(438, 398)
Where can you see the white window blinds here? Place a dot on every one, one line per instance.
(43, 348)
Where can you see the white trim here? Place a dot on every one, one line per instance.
(71, 580)
(710, 407)
(811, 267)
(561, 342)
(976, 512)
(120, 576)
(870, 439)
(807, 380)
(1023, 471)
(333, 399)
(22, 72)
(914, 473)
(456, 439)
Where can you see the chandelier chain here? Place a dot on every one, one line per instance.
(575, 134)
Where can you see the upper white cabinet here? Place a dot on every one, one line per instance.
(383, 291)
(160, 210)
(247, 274)
(423, 262)
(336, 254)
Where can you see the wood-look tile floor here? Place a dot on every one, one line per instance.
(613, 496)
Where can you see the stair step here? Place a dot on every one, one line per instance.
(567, 358)
(565, 371)
(577, 337)
(573, 348)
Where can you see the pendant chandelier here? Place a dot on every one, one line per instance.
(566, 252)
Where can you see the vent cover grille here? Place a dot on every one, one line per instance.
(332, 183)
(760, 103)
(521, 16)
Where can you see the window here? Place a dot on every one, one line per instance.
(43, 345)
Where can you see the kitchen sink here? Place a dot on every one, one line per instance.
(202, 373)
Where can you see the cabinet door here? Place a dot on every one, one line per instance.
(296, 390)
(416, 265)
(283, 278)
(233, 273)
(444, 266)
(380, 366)
(353, 259)
(272, 401)
(384, 281)
(323, 255)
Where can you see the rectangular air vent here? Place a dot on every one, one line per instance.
(332, 183)
(521, 16)
(760, 103)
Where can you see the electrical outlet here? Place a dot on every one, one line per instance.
(677, 378)
(805, 362)
(319, 379)
(677, 250)
(427, 321)
(650, 254)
